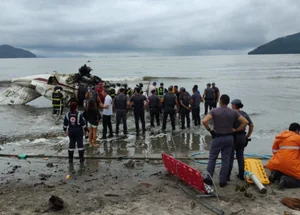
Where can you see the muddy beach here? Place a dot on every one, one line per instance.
(117, 185)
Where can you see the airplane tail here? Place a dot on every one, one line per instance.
(18, 95)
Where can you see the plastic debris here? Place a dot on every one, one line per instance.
(22, 156)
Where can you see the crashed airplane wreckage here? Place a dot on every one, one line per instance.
(29, 88)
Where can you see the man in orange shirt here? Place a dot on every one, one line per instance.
(285, 163)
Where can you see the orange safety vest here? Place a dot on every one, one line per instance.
(286, 154)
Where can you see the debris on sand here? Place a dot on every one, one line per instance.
(14, 169)
(56, 203)
(50, 165)
(110, 194)
(44, 177)
(130, 164)
(156, 174)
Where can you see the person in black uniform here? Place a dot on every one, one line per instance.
(184, 99)
(154, 105)
(74, 127)
(169, 101)
(120, 104)
(138, 108)
(57, 100)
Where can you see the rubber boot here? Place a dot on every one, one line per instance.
(81, 156)
(71, 155)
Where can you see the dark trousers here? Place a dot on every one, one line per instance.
(196, 115)
(289, 182)
(139, 115)
(224, 145)
(185, 114)
(107, 123)
(75, 136)
(154, 112)
(171, 113)
(208, 104)
(121, 115)
(214, 104)
(238, 147)
(56, 110)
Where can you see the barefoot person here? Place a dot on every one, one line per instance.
(93, 118)
(222, 137)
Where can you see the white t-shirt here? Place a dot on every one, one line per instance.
(107, 101)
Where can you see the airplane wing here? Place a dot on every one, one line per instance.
(18, 95)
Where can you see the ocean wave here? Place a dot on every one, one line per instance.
(150, 78)
(284, 77)
(5, 83)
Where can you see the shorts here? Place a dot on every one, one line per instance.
(92, 126)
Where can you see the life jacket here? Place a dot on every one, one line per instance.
(57, 98)
(286, 154)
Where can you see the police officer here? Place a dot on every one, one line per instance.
(74, 127)
(217, 94)
(224, 119)
(184, 99)
(154, 106)
(137, 101)
(57, 100)
(169, 101)
(120, 104)
(161, 91)
(240, 140)
(209, 98)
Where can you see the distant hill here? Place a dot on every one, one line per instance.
(7, 51)
(284, 45)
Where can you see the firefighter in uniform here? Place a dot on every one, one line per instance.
(57, 100)
(74, 127)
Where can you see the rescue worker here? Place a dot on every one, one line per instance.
(120, 104)
(118, 88)
(57, 100)
(177, 93)
(209, 98)
(74, 127)
(169, 101)
(161, 91)
(112, 91)
(240, 140)
(137, 101)
(107, 113)
(195, 105)
(224, 119)
(129, 92)
(184, 99)
(154, 106)
(285, 162)
(217, 94)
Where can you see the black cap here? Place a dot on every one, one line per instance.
(161, 84)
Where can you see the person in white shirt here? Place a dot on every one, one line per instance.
(107, 112)
(152, 87)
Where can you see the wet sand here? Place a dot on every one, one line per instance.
(109, 187)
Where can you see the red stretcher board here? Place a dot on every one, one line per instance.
(186, 173)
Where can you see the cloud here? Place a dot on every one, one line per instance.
(154, 27)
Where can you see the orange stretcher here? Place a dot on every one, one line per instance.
(255, 166)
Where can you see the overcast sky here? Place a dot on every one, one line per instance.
(145, 27)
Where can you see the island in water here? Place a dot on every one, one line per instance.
(284, 45)
(7, 51)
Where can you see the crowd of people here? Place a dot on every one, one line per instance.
(229, 134)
